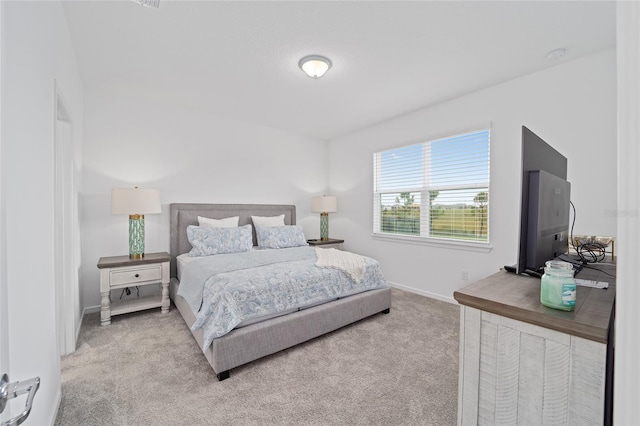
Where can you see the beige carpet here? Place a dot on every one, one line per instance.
(146, 369)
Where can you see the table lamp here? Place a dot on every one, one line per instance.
(135, 202)
(324, 205)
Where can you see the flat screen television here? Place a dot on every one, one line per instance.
(545, 201)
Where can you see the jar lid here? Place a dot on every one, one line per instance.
(559, 265)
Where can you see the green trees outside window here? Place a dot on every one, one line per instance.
(437, 189)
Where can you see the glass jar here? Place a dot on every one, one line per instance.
(558, 287)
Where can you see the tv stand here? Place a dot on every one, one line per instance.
(529, 272)
(511, 268)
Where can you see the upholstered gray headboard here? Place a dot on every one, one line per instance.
(183, 215)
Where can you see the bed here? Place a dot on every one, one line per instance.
(248, 343)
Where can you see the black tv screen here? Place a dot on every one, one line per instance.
(544, 224)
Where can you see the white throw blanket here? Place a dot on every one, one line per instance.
(350, 263)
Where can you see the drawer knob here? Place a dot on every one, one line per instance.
(136, 275)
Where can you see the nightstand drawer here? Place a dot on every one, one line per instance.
(135, 275)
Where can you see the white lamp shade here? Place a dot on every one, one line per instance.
(135, 201)
(324, 204)
(315, 66)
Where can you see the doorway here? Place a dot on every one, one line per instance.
(4, 304)
(66, 233)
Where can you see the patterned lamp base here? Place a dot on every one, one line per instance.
(136, 236)
(324, 226)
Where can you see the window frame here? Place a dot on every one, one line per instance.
(425, 237)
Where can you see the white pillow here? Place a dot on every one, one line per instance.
(268, 221)
(228, 222)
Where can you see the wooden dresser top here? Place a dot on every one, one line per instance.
(518, 297)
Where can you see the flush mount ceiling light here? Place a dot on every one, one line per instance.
(556, 54)
(314, 65)
(148, 3)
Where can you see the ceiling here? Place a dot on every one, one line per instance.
(239, 59)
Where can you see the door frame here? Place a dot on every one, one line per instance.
(65, 224)
(4, 293)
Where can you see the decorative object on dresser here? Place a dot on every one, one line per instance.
(239, 337)
(324, 205)
(135, 202)
(328, 243)
(119, 272)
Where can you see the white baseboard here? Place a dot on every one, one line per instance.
(93, 309)
(85, 311)
(424, 293)
(90, 310)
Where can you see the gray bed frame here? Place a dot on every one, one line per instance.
(255, 341)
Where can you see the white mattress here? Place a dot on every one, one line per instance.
(182, 260)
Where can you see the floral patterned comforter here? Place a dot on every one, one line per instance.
(225, 290)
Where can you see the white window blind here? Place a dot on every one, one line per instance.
(435, 189)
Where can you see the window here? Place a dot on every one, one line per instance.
(435, 189)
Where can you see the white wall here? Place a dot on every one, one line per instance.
(37, 49)
(190, 156)
(572, 106)
(627, 341)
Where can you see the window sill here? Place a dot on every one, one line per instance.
(434, 242)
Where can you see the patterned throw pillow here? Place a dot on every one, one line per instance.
(209, 241)
(280, 236)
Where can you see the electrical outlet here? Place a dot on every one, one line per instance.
(464, 275)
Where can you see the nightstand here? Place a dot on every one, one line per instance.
(118, 272)
(330, 243)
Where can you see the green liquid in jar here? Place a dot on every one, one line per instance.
(558, 287)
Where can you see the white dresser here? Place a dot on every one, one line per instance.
(523, 363)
